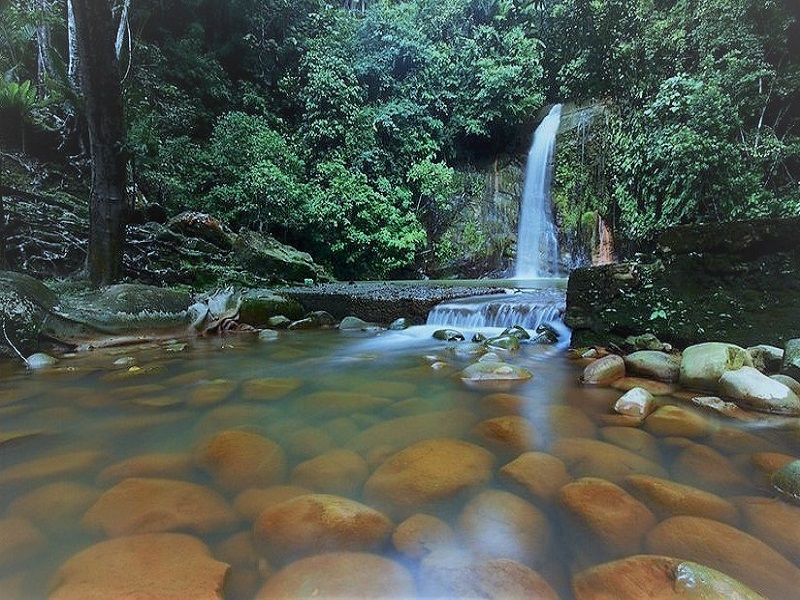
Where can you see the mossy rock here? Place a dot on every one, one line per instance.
(259, 306)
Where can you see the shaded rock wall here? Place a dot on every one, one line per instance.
(737, 282)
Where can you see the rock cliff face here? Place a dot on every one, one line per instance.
(738, 282)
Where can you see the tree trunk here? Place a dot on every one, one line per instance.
(44, 64)
(102, 94)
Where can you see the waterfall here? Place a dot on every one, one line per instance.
(537, 240)
(528, 309)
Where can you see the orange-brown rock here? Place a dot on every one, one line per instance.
(54, 507)
(668, 499)
(705, 468)
(335, 472)
(727, 549)
(678, 421)
(268, 388)
(19, 540)
(633, 439)
(167, 566)
(238, 460)
(403, 431)
(317, 523)
(340, 575)
(209, 393)
(251, 502)
(509, 434)
(307, 442)
(592, 458)
(157, 464)
(538, 474)
(604, 371)
(498, 524)
(566, 421)
(765, 464)
(456, 574)
(247, 567)
(774, 522)
(603, 513)
(333, 403)
(143, 505)
(656, 388)
(420, 534)
(49, 467)
(657, 578)
(503, 403)
(427, 474)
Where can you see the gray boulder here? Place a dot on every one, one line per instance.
(750, 388)
(654, 364)
(791, 359)
(703, 364)
(26, 305)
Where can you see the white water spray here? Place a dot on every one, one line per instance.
(537, 239)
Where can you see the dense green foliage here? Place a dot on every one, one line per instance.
(344, 132)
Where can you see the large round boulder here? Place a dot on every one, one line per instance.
(750, 388)
(428, 474)
(654, 364)
(239, 459)
(317, 523)
(703, 364)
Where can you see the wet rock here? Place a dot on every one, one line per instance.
(662, 577)
(351, 323)
(654, 364)
(492, 372)
(774, 522)
(421, 534)
(456, 574)
(448, 335)
(268, 388)
(538, 474)
(765, 464)
(279, 322)
(141, 505)
(56, 507)
(340, 575)
(247, 567)
(592, 458)
(307, 442)
(238, 460)
(705, 468)
(335, 472)
(728, 550)
(766, 359)
(604, 371)
(750, 388)
(790, 382)
(633, 439)
(167, 566)
(157, 464)
(677, 421)
(209, 393)
(510, 434)
(720, 407)
(40, 360)
(569, 421)
(25, 305)
(656, 388)
(518, 530)
(19, 540)
(317, 523)
(428, 473)
(604, 514)
(400, 324)
(403, 431)
(333, 403)
(508, 343)
(502, 403)
(259, 306)
(791, 359)
(252, 502)
(786, 481)
(49, 467)
(703, 364)
(669, 499)
(636, 402)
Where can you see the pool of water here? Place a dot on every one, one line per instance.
(70, 434)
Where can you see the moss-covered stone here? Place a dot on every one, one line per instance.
(738, 282)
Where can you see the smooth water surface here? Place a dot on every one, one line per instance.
(381, 392)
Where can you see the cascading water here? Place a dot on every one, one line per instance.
(537, 239)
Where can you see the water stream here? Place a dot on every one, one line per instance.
(71, 434)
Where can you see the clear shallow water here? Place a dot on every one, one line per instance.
(88, 415)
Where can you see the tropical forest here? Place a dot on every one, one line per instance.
(399, 299)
